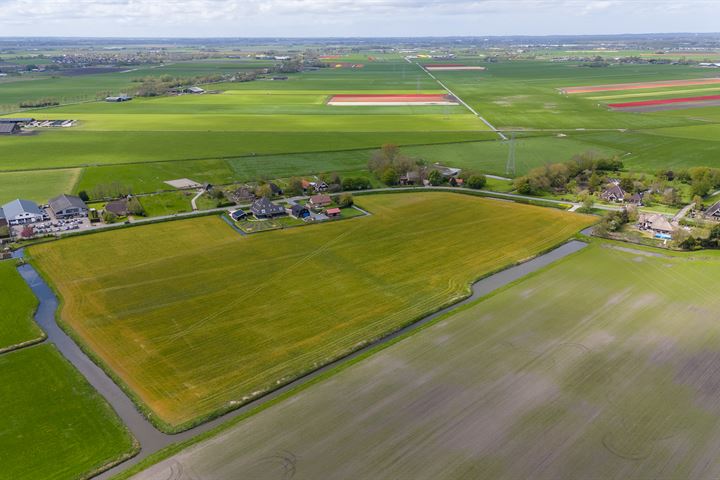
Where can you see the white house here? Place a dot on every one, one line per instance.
(19, 212)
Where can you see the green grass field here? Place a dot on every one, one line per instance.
(37, 185)
(197, 319)
(17, 306)
(55, 425)
(602, 366)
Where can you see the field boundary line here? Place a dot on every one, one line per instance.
(483, 119)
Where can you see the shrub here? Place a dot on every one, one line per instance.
(477, 181)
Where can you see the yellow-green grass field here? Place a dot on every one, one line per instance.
(196, 319)
(17, 306)
(54, 424)
(603, 366)
(39, 186)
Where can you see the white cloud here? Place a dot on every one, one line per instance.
(357, 17)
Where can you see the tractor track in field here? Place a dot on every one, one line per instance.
(151, 439)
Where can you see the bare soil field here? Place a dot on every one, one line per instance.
(638, 86)
(388, 100)
(658, 105)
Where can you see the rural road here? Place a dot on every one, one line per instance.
(152, 440)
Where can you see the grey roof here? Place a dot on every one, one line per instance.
(63, 202)
(18, 207)
(7, 127)
(264, 206)
(713, 210)
(16, 120)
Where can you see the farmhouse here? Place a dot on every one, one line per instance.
(613, 193)
(243, 195)
(68, 206)
(713, 212)
(118, 207)
(9, 128)
(19, 212)
(320, 200)
(637, 198)
(332, 212)
(655, 222)
(264, 208)
(298, 211)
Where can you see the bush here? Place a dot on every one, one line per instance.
(83, 195)
(477, 181)
(435, 178)
(346, 200)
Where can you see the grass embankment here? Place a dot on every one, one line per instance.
(17, 306)
(603, 365)
(196, 319)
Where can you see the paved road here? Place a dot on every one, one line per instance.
(151, 440)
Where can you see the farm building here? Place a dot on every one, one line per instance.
(9, 128)
(713, 212)
(195, 90)
(119, 98)
(613, 193)
(332, 212)
(320, 200)
(298, 211)
(238, 214)
(637, 198)
(264, 208)
(118, 207)
(68, 206)
(275, 189)
(243, 195)
(410, 178)
(655, 222)
(20, 121)
(19, 212)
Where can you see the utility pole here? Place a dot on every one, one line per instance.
(510, 165)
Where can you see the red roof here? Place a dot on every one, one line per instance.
(333, 211)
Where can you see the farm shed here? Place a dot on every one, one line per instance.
(237, 214)
(275, 189)
(19, 212)
(21, 121)
(332, 212)
(320, 200)
(264, 208)
(410, 178)
(119, 98)
(298, 211)
(118, 207)
(9, 128)
(713, 211)
(68, 206)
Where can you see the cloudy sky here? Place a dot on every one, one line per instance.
(322, 18)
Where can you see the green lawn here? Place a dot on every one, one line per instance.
(604, 365)
(197, 319)
(17, 306)
(168, 203)
(39, 186)
(55, 425)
